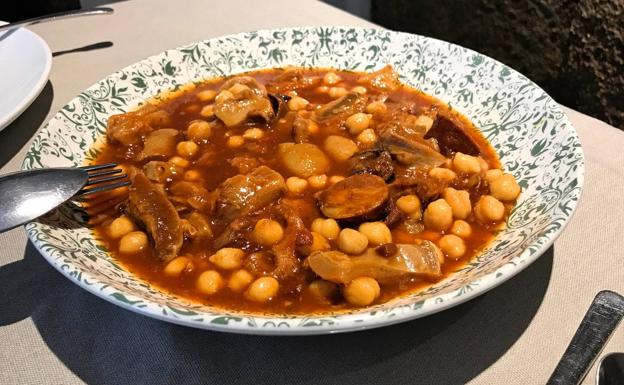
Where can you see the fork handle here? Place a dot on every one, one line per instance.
(602, 317)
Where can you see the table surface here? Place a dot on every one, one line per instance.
(53, 332)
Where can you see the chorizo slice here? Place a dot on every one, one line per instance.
(358, 197)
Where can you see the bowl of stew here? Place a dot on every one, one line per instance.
(309, 180)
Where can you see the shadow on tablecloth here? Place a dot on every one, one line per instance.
(103, 344)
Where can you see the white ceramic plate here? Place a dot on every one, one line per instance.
(25, 62)
(527, 128)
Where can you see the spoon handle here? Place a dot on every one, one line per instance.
(58, 16)
(604, 314)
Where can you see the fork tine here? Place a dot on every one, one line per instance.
(98, 166)
(106, 172)
(104, 180)
(98, 189)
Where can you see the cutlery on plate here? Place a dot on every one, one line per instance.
(602, 317)
(611, 370)
(26, 195)
(58, 16)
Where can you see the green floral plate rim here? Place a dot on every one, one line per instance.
(528, 129)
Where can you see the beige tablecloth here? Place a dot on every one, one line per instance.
(52, 332)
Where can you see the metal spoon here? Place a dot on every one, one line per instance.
(26, 195)
(611, 370)
(58, 16)
(602, 317)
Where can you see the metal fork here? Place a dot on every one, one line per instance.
(96, 176)
(26, 195)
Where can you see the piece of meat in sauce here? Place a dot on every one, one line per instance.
(129, 128)
(293, 79)
(301, 129)
(341, 108)
(421, 259)
(160, 144)
(149, 205)
(385, 79)
(295, 235)
(359, 197)
(192, 194)
(246, 99)
(408, 145)
(244, 164)
(418, 181)
(451, 138)
(161, 172)
(243, 194)
(376, 162)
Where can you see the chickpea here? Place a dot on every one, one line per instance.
(206, 95)
(452, 246)
(505, 188)
(317, 181)
(199, 130)
(367, 137)
(359, 90)
(424, 122)
(484, 165)
(376, 108)
(331, 78)
(192, 108)
(358, 122)
(235, 141)
(438, 215)
(459, 200)
(352, 241)
(466, 163)
(376, 232)
(297, 103)
(120, 227)
(322, 89)
(319, 243)
(410, 205)
(491, 175)
(227, 258)
(336, 92)
(209, 282)
(328, 228)
(296, 185)
(323, 291)
(179, 161)
(362, 291)
(268, 232)
(335, 179)
(489, 209)
(313, 127)
(192, 175)
(223, 96)
(253, 134)
(239, 280)
(461, 228)
(187, 149)
(442, 174)
(262, 289)
(133, 242)
(207, 111)
(339, 147)
(176, 266)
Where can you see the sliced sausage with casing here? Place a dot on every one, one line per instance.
(358, 197)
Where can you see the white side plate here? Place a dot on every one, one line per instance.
(25, 63)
